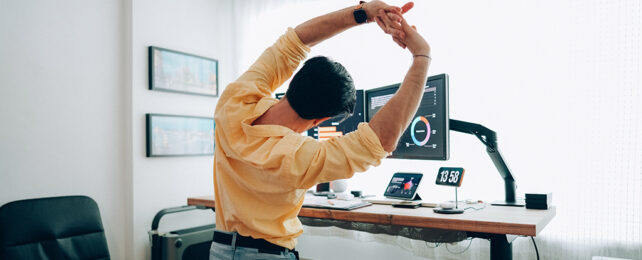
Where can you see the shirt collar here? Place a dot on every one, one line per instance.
(263, 130)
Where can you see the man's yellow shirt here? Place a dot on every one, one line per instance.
(261, 172)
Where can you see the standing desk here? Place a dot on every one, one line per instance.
(493, 222)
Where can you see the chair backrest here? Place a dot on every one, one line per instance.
(52, 228)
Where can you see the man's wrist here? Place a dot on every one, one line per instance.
(427, 56)
(420, 51)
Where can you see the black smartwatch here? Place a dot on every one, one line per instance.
(360, 14)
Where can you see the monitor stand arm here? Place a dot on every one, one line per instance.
(489, 139)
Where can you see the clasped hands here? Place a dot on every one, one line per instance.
(391, 20)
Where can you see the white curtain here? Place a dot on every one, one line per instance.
(560, 81)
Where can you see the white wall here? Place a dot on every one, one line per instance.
(62, 107)
(74, 94)
(201, 28)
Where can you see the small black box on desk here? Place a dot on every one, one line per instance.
(538, 200)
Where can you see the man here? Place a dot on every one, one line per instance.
(263, 165)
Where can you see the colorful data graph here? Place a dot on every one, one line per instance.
(327, 132)
(419, 127)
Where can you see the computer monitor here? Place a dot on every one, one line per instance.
(334, 127)
(427, 136)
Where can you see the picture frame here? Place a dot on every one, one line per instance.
(175, 135)
(179, 72)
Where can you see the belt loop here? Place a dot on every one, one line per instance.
(234, 234)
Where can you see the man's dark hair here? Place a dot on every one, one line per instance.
(322, 88)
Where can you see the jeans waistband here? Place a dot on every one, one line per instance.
(234, 239)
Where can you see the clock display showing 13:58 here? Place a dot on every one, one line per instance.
(450, 176)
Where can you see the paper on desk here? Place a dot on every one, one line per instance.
(323, 202)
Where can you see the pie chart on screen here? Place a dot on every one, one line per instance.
(420, 131)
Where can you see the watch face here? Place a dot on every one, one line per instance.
(360, 16)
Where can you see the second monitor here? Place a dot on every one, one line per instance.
(427, 136)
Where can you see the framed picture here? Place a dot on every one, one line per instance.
(180, 72)
(170, 135)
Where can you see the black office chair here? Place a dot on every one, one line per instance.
(52, 228)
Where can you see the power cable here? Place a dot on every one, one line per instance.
(457, 253)
(436, 245)
(535, 245)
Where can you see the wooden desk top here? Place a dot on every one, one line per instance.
(492, 219)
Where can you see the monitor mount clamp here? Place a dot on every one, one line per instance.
(489, 139)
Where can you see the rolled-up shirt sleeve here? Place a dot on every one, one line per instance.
(338, 158)
(277, 63)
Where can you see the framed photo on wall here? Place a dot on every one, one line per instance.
(172, 135)
(180, 72)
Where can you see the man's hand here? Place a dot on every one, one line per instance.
(388, 18)
(417, 45)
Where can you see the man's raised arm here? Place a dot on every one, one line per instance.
(393, 118)
(323, 27)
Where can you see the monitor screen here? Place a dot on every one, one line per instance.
(427, 135)
(334, 127)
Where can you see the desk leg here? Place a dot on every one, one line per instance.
(500, 248)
